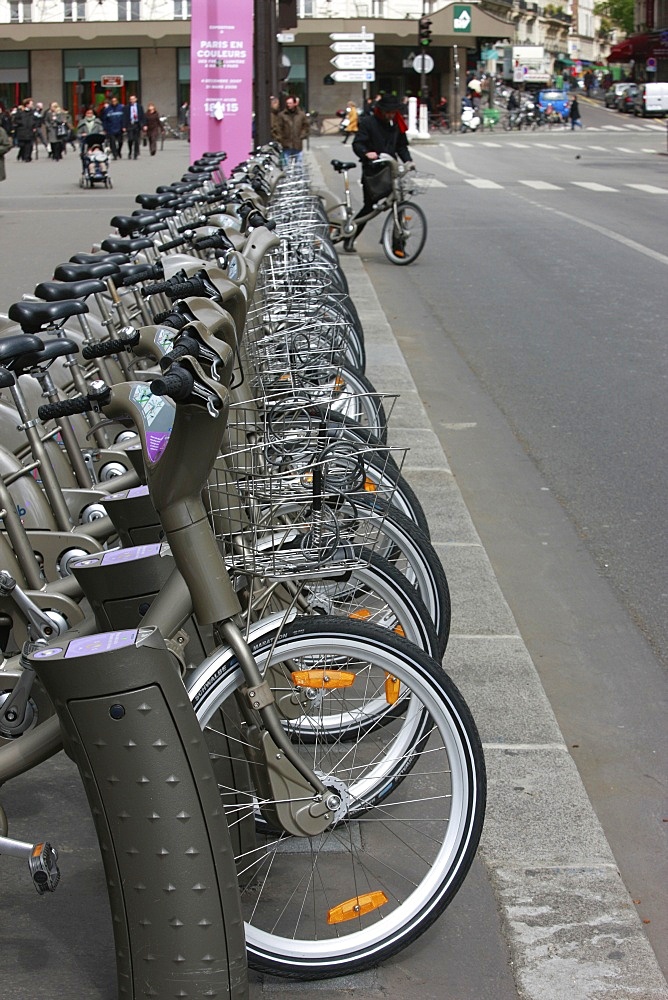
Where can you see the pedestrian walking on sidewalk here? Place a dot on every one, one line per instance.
(353, 121)
(293, 129)
(574, 114)
(133, 125)
(5, 146)
(24, 129)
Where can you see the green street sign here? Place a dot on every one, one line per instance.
(462, 18)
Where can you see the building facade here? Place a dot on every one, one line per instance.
(81, 52)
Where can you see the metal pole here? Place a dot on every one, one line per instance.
(456, 111)
(265, 44)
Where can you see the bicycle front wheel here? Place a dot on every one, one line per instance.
(400, 751)
(404, 238)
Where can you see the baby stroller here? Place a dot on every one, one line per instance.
(94, 162)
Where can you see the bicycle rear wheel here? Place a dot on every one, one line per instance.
(408, 773)
(404, 239)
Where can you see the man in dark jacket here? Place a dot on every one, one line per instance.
(112, 119)
(293, 127)
(381, 131)
(133, 123)
(24, 129)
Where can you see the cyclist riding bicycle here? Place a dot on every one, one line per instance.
(382, 131)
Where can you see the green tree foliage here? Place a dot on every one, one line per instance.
(618, 12)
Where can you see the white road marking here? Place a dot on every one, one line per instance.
(647, 188)
(492, 145)
(624, 149)
(482, 182)
(593, 186)
(542, 186)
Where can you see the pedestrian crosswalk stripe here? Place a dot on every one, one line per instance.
(656, 128)
(599, 149)
(435, 183)
(593, 186)
(462, 143)
(520, 145)
(647, 188)
(482, 182)
(624, 149)
(648, 151)
(492, 145)
(569, 145)
(542, 185)
(613, 128)
(633, 127)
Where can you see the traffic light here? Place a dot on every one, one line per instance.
(424, 33)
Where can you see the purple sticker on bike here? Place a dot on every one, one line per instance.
(103, 642)
(130, 554)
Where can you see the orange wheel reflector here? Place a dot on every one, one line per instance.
(323, 678)
(356, 907)
(362, 614)
(392, 686)
(369, 486)
(399, 631)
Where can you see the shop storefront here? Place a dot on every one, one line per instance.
(92, 76)
(14, 78)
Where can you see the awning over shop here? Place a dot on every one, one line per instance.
(633, 47)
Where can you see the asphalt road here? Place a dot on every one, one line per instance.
(534, 326)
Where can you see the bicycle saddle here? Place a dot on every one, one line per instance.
(340, 166)
(113, 245)
(31, 316)
(76, 272)
(131, 225)
(97, 258)
(17, 345)
(59, 291)
(6, 379)
(52, 349)
(154, 200)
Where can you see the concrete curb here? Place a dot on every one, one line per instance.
(572, 929)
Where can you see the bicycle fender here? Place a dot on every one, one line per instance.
(205, 677)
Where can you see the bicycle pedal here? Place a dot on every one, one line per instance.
(44, 868)
(42, 862)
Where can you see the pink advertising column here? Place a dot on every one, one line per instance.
(221, 79)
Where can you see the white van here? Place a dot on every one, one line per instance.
(652, 99)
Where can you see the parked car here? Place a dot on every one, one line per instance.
(651, 99)
(626, 100)
(612, 93)
(557, 98)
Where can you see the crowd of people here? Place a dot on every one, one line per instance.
(31, 126)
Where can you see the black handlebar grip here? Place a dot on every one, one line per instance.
(171, 319)
(182, 289)
(160, 286)
(154, 271)
(65, 408)
(172, 244)
(107, 347)
(217, 242)
(177, 384)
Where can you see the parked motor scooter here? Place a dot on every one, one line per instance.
(471, 119)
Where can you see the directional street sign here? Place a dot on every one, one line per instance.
(354, 60)
(352, 36)
(353, 75)
(353, 46)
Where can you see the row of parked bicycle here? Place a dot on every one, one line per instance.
(206, 531)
